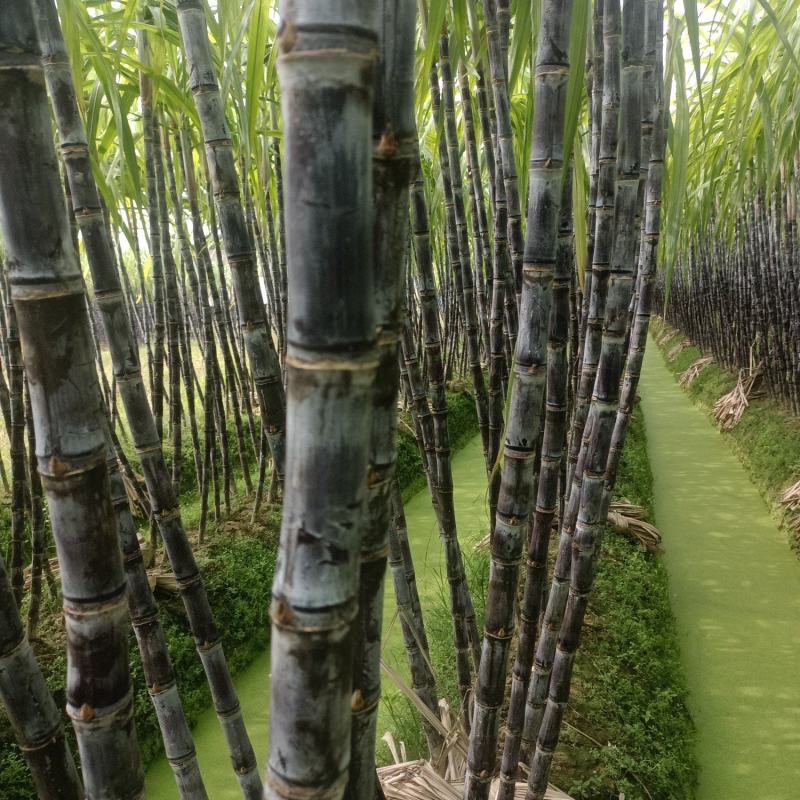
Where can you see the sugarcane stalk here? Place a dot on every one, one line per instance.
(146, 439)
(394, 161)
(171, 309)
(546, 497)
(46, 288)
(496, 30)
(236, 238)
(581, 428)
(325, 69)
(460, 603)
(605, 400)
(471, 328)
(189, 310)
(38, 553)
(545, 172)
(153, 232)
(17, 449)
(412, 623)
(30, 707)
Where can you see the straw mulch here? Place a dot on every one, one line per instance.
(627, 519)
(677, 349)
(791, 497)
(694, 369)
(665, 334)
(137, 496)
(156, 577)
(444, 779)
(728, 410)
(417, 780)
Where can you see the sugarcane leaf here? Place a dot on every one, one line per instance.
(577, 76)
(580, 189)
(679, 150)
(780, 30)
(693, 30)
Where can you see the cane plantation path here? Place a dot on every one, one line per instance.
(735, 589)
(469, 486)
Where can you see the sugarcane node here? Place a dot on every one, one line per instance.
(56, 467)
(367, 67)
(357, 701)
(373, 476)
(87, 713)
(282, 612)
(387, 146)
(287, 36)
(46, 742)
(85, 212)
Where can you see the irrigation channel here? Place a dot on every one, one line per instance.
(735, 591)
(469, 482)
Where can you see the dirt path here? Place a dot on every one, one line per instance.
(469, 481)
(735, 589)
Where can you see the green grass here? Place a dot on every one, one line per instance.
(766, 440)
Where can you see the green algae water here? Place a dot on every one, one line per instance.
(469, 487)
(735, 591)
(212, 752)
(469, 493)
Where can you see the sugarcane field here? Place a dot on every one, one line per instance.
(400, 399)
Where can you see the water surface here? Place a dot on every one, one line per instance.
(469, 482)
(735, 590)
